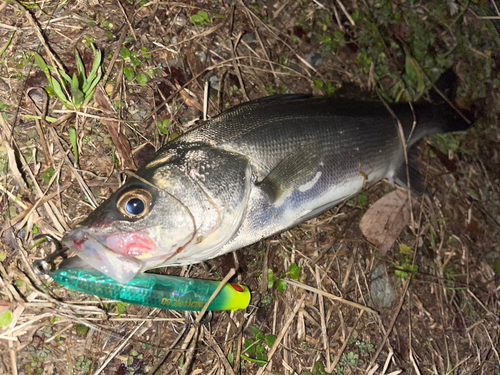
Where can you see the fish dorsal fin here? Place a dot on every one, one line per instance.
(241, 119)
(296, 170)
(279, 97)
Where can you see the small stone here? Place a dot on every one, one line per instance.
(382, 291)
(180, 20)
(249, 37)
(214, 82)
(202, 55)
(315, 59)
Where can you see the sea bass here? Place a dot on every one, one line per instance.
(252, 171)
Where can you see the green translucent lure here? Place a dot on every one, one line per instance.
(162, 291)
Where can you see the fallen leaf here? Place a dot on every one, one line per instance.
(14, 171)
(385, 219)
(5, 318)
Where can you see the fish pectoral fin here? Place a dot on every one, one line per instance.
(295, 170)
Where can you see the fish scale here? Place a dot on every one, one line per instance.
(253, 171)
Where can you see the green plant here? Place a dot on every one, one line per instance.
(281, 285)
(47, 175)
(121, 307)
(82, 329)
(135, 60)
(82, 86)
(163, 126)
(36, 358)
(363, 202)
(201, 18)
(257, 347)
(406, 267)
(295, 271)
(84, 364)
(326, 86)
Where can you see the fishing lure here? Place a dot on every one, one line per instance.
(147, 289)
(163, 291)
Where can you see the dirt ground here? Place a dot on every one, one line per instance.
(314, 308)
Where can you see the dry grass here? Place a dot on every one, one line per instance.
(445, 317)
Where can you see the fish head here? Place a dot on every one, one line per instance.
(137, 228)
(169, 214)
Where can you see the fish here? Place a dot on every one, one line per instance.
(253, 171)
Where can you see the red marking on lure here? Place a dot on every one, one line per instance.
(237, 287)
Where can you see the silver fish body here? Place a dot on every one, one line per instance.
(253, 171)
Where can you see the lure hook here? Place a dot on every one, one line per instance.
(42, 266)
(205, 322)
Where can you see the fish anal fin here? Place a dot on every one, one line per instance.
(416, 171)
(293, 172)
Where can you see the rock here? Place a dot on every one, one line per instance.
(315, 59)
(214, 82)
(382, 291)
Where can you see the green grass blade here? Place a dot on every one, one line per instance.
(7, 44)
(63, 74)
(91, 90)
(76, 93)
(42, 65)
(88, 97)
(80, 67)
(95, 70)
(56, 86)
(74, 143)
(48, 118)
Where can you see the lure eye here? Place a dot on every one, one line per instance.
(135, 203)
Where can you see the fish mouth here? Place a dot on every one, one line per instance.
(95, 251)
(123, 255)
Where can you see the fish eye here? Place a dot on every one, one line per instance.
(135, 206)
(135, 203)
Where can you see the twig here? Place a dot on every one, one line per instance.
(38, 124)
(127, 20)
(14, 170)
(83, 185)
(391, 325)
(205, 100)
(330, 296)
(346, 341)
(405, 152)
(284, 330)
(195, 327)
(53, 58)
(13, 360)
(233, 55)
(294, 51)
(122, 345)
(264, 50)
(346, 12)
(111, 65)
(218, 350)
(324, 333)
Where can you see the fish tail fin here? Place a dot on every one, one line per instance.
(455, 119)
(439, 115)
